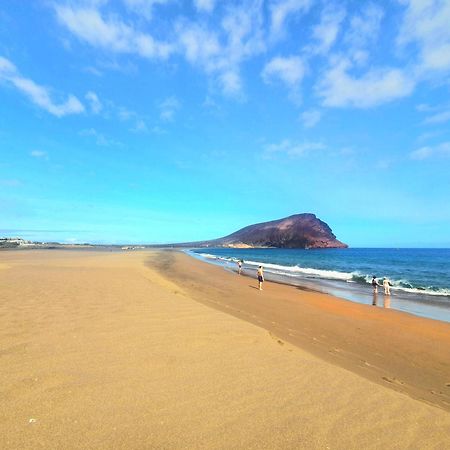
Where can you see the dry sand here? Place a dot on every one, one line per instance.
(100, 350)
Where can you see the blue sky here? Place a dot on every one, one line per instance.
(152, 121)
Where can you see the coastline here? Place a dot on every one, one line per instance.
(153, 349)
(339, 284)
(385, 346)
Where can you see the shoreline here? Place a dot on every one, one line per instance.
(390, 344)
(435, 307)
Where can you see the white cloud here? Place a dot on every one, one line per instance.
(168, 108)
(282, 10)
(205, 5)
(110, 34)
(364, 27)
(6, 67)
(95, 103)
(378, 85)
(440, 117)
(38, 94)
(424, 107)
(199, 45)
(220, 51)
(440, 150)
(231, 82)
(310, 118)
(144, 7)
(290, 70)
(39, 154)
(421, 153)
(326, 32)
(292, 149)
(219, 48)
(426, 24)
(100, 139)
(140, 127)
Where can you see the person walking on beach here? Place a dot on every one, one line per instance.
(375, 284)
(387, 286)
(260, 274)
(239, 266)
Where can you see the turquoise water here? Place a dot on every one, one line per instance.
(420, 278)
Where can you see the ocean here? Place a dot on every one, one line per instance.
(420, 278)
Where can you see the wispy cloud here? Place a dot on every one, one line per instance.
(144, 7)
(441, 117)
(426, 25)
(289, 70)
(364, 27)
(292, 149)
(138, 121)
(39, 154)
(281, 11)
(110, 33)
(310, 118)
(437, 113)
(95, 103)
(440, 150)
(327, 30)
(38, 94)
(338, 88)
(100, 139)
(140, 127)
(220, 51)
(168, 108)
(205, 5)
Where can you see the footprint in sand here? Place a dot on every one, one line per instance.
(447, 384)
(335, 350)
(276, 339)
(393, 380)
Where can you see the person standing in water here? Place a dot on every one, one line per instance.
(239, 266)
(387, 286)
(375, 284)
(260, 275)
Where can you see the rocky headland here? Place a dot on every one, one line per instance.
(296, 231)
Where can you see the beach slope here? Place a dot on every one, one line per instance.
(111, 350)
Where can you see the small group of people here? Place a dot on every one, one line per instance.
(259, 273)
(386, 285)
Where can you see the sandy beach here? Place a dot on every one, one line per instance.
(154, 349)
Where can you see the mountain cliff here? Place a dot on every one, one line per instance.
(297, 231)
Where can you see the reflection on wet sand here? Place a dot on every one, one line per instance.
(386, 300)
(375, 299)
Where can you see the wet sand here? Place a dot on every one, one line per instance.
(157, 350)
(400, 350)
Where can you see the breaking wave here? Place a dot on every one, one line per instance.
(311, 273)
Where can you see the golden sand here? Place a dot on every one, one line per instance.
(111, 350)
